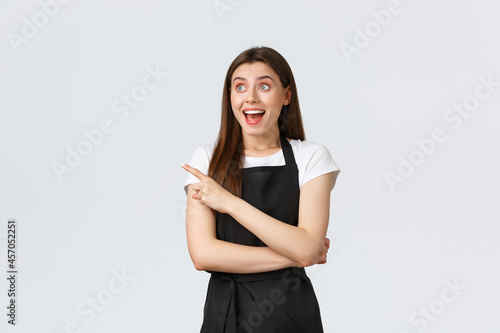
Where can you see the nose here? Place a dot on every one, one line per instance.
(252, 96)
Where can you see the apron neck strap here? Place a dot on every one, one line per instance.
(287, 150)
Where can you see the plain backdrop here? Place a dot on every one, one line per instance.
(380, 84)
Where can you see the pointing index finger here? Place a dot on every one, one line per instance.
(197, 173)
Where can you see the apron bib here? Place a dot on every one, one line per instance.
(280, 301)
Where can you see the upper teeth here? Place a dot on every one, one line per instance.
(254, 111)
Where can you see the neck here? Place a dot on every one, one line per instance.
(269, 140)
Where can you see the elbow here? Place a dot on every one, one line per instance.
(310, 257)
(201, 256)
(199, 264)
(305, 258)
(198, 261)
(306, 261)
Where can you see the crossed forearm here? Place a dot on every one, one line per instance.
(292, 242)
(229, 257)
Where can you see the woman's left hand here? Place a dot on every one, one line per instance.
(322, 255)
(209, 192)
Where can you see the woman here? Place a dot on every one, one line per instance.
(258, 204)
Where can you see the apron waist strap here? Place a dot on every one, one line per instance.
(277, 274)
(226, 312)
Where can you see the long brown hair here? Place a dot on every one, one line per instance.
(227, 158)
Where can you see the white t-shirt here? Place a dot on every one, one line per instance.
(312, 160)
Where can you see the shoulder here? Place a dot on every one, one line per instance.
(202, 155)
(313, 160)
(204, 151)
(308, 149)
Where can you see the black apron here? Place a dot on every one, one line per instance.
(280, 301)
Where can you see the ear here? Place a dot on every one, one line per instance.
(288, 96)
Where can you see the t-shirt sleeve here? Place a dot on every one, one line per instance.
(200, 161)
(320, 162)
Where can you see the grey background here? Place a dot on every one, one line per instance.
(123, 206)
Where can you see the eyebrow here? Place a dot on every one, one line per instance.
(259, 78)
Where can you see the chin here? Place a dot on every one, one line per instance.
(252, 132)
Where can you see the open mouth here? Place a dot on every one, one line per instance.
(254, 115)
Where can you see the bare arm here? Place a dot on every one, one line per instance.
(209, 253)
(304, 244)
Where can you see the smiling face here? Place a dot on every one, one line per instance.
(257, 97)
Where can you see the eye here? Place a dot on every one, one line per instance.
(264, 86)
(240, 88)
